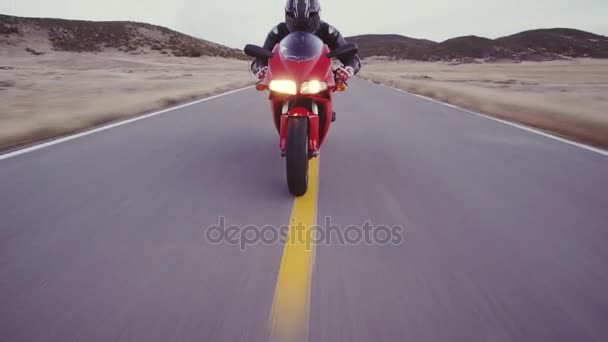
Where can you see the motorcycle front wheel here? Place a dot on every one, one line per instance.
(296, 155)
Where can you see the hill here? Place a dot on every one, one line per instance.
(38, 35)
(393, 45)
(533, 45)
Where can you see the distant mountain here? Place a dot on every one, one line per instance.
(393, 45)
(38, 34)
(534, 45)
(468, 46)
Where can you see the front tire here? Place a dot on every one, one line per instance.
(296, 155)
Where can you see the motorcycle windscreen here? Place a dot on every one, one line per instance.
(301, 46)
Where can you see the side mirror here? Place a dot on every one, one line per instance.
(258, 52)
(347, 49)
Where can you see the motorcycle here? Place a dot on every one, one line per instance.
(301, 82)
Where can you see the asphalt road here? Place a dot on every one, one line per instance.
(102, 238)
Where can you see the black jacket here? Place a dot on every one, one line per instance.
(326, 32)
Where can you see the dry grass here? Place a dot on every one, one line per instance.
(568, 98)
(59, 93)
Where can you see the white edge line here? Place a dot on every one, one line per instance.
(106, 127)
(512, 124)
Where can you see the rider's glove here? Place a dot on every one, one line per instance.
(343, 74)
(261, 74)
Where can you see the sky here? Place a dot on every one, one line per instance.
(237, 22)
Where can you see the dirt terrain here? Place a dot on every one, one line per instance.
(61, 92)
(568, 98)
(61, 76)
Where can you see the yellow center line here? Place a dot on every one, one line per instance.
(291, 304)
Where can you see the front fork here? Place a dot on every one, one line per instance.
(313, 127)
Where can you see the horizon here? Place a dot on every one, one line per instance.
(415, 20)
(356, 35)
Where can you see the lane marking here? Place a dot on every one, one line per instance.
(289, 318)
(106, 127)
(512, 124)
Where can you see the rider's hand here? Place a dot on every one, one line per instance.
(343, 74)
(261, 74)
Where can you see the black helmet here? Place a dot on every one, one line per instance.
(302, 15)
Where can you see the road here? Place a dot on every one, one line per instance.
(103, 237)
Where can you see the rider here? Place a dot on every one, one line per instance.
(303, 15)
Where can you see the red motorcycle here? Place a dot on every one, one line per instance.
(301, 81)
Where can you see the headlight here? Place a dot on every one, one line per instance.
(285, 87)
(313, 87)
